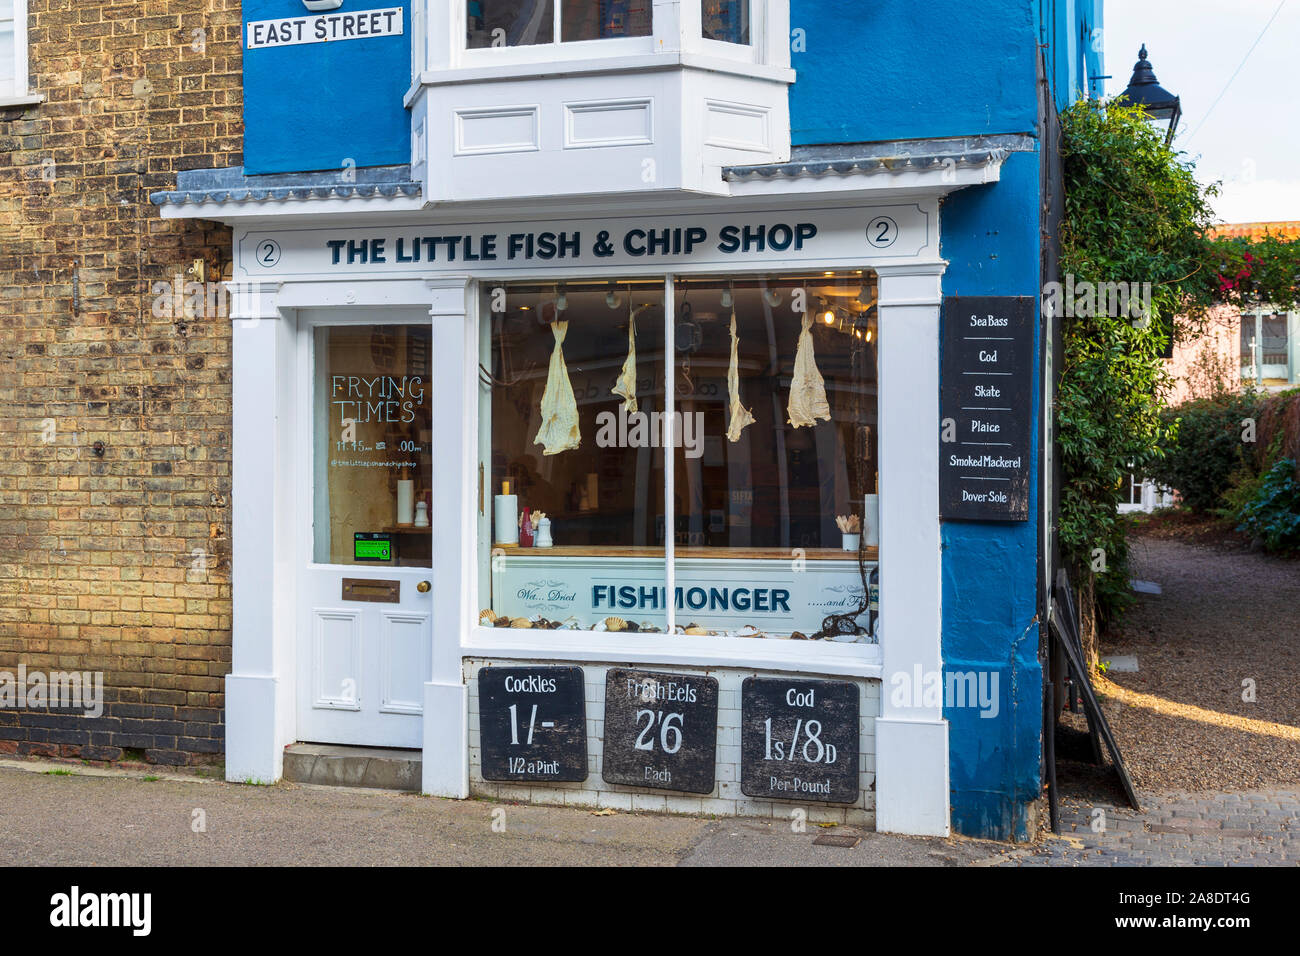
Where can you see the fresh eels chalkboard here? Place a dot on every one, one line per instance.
(985, 461)
(799, 740)
(533, 724)
(661, 730)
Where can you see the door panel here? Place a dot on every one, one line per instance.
(365, 625)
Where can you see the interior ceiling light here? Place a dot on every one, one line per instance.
(727, 300)
(772, 297)
(612, 298)
(561, 299)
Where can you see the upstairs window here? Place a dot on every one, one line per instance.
(725, 20)
(510, 23)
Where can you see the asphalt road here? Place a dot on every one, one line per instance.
(49, 816)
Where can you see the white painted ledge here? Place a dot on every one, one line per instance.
(788, 657)
(33, 99)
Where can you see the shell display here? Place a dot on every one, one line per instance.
(487, 617)
(521, 622)
(615, 624)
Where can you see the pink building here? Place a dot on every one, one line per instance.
(1260, 346)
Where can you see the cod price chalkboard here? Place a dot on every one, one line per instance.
(985, 463)
(799, 740)
(661, 730)
(532, 723)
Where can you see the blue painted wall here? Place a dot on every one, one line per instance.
(989, 234)
(903, 69)
(319, 105)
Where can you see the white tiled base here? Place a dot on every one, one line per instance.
(726, 798)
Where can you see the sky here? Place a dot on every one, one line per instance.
(1250, 141)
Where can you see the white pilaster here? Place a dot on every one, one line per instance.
(259, 689)
(911, 737)
(455, 439)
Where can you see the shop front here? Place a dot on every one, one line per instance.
(596, 432)
(629, 511)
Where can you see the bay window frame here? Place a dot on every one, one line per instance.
(831, 658)
(676, 32)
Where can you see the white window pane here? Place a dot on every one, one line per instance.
(6, 10)
(6, 50)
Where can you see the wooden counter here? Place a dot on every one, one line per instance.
(645, 551)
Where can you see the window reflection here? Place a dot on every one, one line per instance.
(725, 20)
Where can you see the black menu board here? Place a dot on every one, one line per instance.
(799, 740)
(533, 723)
(661, 730)
(985, 461)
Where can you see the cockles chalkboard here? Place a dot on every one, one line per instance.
(661, 730)
(985, 461)
(799, 740)
(532, 723)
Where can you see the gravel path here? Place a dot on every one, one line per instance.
(1227, 622)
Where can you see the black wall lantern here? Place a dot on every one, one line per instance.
(1158, 103)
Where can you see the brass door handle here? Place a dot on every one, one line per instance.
(423, 587)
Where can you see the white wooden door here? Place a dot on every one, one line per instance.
(365, 597)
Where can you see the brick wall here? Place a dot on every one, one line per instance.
(726, 798)
(116, 563)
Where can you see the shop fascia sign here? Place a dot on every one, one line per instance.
(323, 27)
(704, 241)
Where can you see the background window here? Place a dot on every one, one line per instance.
(726, 20)
(9, 85)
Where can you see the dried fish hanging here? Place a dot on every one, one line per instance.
(807, 388)
(741, 417)
(559, 430)
(625, 387)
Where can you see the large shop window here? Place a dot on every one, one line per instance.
(507, 23)
(761, 523)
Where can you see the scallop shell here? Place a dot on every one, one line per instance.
(695, 630)
(615, 624)
(521, 622)
(487, 617)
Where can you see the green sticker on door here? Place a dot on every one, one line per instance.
(372, 546)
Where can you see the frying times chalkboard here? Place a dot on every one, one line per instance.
(799, 740)
(661, 730)
(985, 463)
(532, 723)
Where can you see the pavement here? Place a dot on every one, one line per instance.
(56, 814)
(1242, 828)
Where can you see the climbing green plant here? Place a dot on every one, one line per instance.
(1134, 213)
